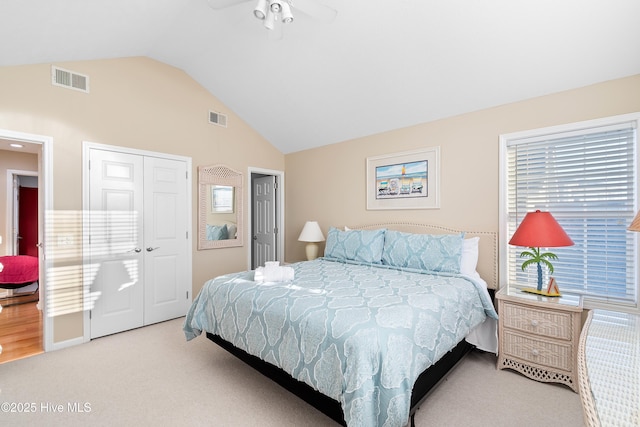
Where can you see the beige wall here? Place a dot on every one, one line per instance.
(137, 103)
(328, 184)
(144, 104)
(16, 161)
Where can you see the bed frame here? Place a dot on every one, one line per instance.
(429, 379)
(330, 407)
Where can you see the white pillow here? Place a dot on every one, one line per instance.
(469, 259)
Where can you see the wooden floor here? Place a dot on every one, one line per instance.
(20, 331)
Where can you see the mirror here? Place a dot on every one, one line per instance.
(219, 207)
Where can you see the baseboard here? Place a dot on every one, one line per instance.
(64, 344)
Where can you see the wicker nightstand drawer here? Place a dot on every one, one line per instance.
(538, 336)
(537, 321)
(547, 353)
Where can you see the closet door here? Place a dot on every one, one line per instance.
(116, 242)
(165, 240)
(138, 241)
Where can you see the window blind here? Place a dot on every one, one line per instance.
(586, 179)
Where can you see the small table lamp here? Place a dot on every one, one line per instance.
(311, 234)
(539, 229)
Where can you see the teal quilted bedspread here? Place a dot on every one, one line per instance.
(360, 334)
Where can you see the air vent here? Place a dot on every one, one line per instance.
(69, 79)
(217, 118)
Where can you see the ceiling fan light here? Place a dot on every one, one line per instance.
(287, 16)
(260, 10)
(276, 6)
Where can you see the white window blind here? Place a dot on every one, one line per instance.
(587, 179)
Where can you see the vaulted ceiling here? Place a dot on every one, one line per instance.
(378, 66)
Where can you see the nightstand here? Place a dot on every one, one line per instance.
(538, 336)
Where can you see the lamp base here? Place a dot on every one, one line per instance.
(543, 293)
(312, 251)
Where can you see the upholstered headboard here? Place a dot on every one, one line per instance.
(487, 246)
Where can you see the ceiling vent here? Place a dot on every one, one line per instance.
(69, 79)
(217, 118)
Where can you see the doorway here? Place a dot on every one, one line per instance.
(22, 209)
(21, 237)
(266, 214)
(27, 218)
(40, 146)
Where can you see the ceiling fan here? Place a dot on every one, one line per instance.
(273, 12)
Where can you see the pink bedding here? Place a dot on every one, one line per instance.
(18, 270)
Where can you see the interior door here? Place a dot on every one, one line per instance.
(264, 220)
(165, 240)
(28, 221)
(116, 241)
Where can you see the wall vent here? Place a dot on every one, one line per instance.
(69, 79)
(217, 118)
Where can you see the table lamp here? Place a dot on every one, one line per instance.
(539, 229)
(311, 234)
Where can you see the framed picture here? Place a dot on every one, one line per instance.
(407, 180)
(221, 199)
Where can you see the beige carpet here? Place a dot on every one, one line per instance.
(153, 377)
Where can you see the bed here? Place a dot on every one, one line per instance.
(365, 332)
(18, 271)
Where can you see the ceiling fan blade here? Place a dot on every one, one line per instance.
(222, 4)
(316, 10)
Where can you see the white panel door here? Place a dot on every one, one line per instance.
(264, 220)
(116, 208)
(165, 240)
(138, 240)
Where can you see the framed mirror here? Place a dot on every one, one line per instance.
(220, 210)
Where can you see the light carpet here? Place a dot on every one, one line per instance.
(152, 377)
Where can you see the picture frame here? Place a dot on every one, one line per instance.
(404, 180)
(552, 287)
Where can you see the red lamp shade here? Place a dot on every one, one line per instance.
(540, 230)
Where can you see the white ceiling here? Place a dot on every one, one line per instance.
(31, 148)
(380, 65)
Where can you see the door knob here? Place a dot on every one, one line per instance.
(149, 249)
(136, 250)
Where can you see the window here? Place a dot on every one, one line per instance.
(585, 174)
